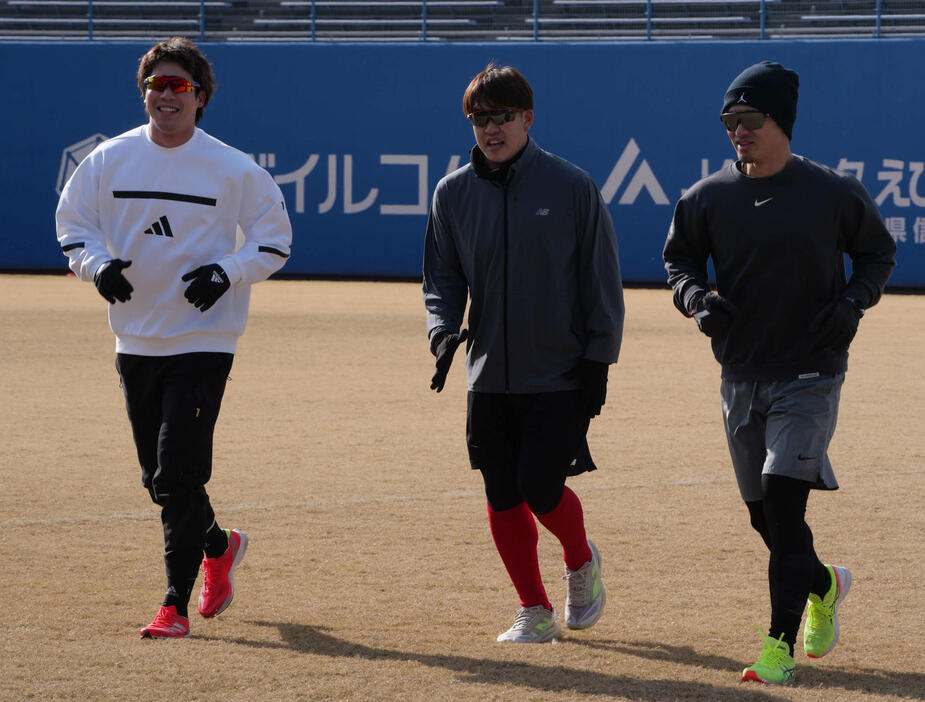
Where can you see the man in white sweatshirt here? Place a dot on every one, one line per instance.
(151, 217)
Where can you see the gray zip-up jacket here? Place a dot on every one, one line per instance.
(534, 248)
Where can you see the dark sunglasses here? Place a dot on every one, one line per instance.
(178, 84)
(498, 116)
(751, 120)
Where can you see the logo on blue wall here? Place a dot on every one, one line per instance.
(643, 179)
(72, 155)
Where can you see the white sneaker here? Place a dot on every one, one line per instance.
(586, 597)
(533, 625)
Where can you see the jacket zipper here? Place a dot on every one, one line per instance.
(507, 377)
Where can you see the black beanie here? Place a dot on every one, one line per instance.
(769, 87)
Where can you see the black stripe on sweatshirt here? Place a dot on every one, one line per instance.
(270, 249)
(159, 195)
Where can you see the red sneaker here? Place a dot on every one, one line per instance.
(167, 625)
(218, 575)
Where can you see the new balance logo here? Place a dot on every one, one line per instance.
(160, 228)
(542, 212)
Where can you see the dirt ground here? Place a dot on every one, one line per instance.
(371, 574)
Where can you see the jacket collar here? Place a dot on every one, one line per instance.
(508, 170)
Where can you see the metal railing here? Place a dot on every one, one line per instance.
(460, 20)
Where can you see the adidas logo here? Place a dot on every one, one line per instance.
(216, 278)
(160, 228)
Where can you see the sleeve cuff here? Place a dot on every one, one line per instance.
(232, 270)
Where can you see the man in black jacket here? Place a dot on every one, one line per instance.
(777, 226)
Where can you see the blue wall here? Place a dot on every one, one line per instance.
(358, 136)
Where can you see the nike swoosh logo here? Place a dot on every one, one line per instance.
(759, 203)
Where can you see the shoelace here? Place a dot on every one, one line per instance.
(778, 653)
(161, 619)
(819, 614)
(210, 570)
(578, 584)
(524, 616)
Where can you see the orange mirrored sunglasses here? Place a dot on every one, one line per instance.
(177, 84)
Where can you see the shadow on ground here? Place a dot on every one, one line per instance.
(910, 685)
(316, 640)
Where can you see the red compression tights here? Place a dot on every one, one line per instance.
(515, 535)
(567, 524)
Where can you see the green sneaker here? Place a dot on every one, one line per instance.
(820, 633)
(774, 665)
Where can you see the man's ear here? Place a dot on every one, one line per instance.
(528, 119)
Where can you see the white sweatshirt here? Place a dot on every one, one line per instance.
(169, 211)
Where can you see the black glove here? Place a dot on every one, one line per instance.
(443, 347)
(593, 376)
(109, 280)
(713, 313)
(209, 283)
(835, 326)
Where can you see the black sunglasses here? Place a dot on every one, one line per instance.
(751, 120)
(498, 116)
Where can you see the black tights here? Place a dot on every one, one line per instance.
(794, 570)
(540, 489)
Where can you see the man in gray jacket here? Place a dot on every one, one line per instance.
(526, 239)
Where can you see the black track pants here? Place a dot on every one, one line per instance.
(173, 403)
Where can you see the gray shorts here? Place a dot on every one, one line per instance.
(781, 428)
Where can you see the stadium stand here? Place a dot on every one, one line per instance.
(458, 20)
